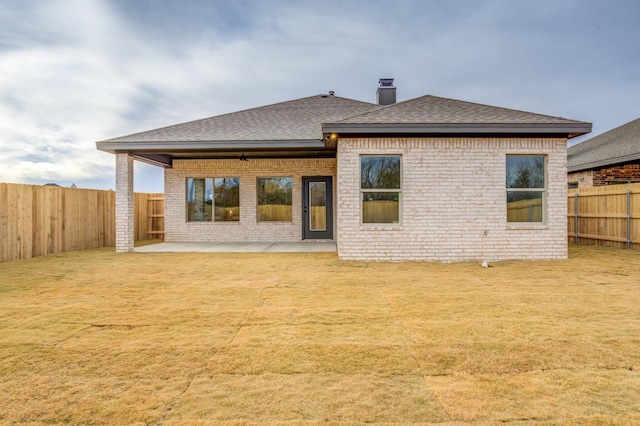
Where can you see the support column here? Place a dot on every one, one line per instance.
(124, 202)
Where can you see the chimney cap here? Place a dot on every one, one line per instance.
(386, 82)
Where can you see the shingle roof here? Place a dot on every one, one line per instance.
(618, 145)
(435, 110)
(297, 128)
(299, 119)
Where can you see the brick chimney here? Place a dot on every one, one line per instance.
(386, 94)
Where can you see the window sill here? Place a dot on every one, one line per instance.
(211, 221)
(381, 227)
(527, 226)
(268, 222)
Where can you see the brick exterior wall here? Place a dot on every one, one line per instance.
(453, 204)
(248, 229)
(624, 173)
(124, 202)
(584, 178)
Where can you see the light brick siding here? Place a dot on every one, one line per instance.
(453, 201)
(248, 229)
(124, 202)
(583, 179)
(624, 173)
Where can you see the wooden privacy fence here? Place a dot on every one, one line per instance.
(148, 213)
(39, 220)
(605, 215)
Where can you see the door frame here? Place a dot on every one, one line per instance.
(307, 233)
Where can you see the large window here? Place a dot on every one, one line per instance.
(380, 188)
(274, 199)
(526, 180)
(213, 199)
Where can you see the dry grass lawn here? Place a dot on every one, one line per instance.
(193, 338)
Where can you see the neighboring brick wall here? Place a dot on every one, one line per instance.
(248, 229)
(624, 173)
(453, 201)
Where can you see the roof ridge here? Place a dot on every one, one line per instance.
(376, 108)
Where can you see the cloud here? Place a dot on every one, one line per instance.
(68, 84)
(78, 71)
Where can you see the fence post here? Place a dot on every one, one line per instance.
(575, 224)
(628, 218)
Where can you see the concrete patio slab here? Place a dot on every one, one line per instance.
(258, 247)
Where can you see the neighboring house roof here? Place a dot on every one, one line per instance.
(619, 145)
(301, 127)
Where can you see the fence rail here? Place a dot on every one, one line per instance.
(39, 220)
(605, 216)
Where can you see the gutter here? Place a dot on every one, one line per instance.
(570, 129)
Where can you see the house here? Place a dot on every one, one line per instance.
(428, 178)
(607, 159)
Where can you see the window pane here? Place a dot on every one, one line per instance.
(525, 171)
(380, 207)
(227, 199)
(199, 199)
(274, 199)
(524, 206)
(318, 206)
(379, 172)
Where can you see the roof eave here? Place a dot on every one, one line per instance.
(570, 129)
(163, 146)
(602, 163)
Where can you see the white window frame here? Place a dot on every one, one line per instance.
(542, 190)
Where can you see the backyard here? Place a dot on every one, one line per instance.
(186, 338)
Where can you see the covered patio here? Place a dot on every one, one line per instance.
(264, 247)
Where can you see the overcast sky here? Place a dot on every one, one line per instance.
(73, 72)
